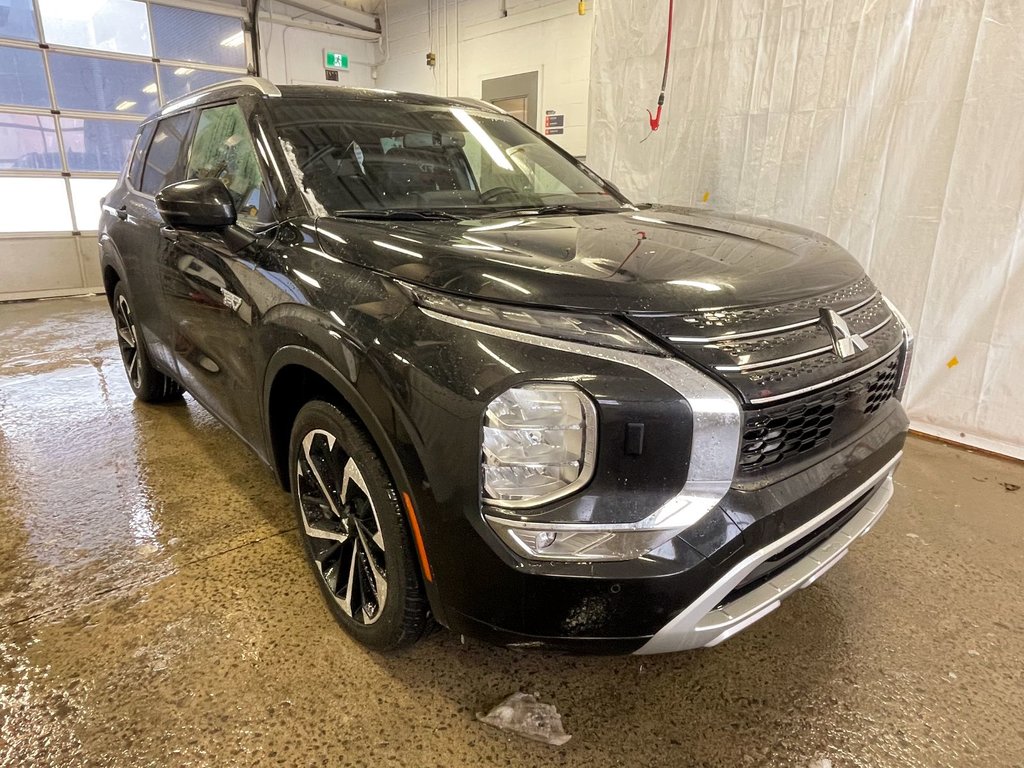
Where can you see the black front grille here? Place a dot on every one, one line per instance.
(882, 388)
(776, 434)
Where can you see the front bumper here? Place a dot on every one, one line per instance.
(714, 617)
(710, 582)
(486, 589)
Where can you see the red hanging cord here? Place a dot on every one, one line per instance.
(655, 119)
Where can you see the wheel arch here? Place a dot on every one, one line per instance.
(111, 266)
(296, 375)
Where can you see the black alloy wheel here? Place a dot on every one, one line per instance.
(353, 530)
(148, 384)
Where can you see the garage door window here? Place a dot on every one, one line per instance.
(17, 20)
(104, 65)
(28, 141)
(23, 78)
(88, 83)
(96, 145)
(118, 26)
(185, 35)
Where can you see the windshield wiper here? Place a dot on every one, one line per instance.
(399, 214)
(547, 210)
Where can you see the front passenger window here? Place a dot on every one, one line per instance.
(223, 149)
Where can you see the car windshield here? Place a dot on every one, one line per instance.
(356, 155)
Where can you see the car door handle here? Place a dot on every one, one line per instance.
(122, 213)
(169, 233)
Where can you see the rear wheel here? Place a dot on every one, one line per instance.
(353, 530)
(148, 384)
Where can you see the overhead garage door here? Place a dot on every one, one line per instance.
(76, 77)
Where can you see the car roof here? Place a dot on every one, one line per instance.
(264, 88)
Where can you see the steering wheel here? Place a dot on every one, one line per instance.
(495, 192)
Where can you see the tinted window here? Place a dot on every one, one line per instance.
(139, 152)
(223, 149)
(163, 153)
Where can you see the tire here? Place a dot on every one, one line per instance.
(148, 384)
(353, 530)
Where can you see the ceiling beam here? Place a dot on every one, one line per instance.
(367, 22)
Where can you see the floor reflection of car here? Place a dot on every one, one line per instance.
(505, 399)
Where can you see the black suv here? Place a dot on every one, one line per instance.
(501, 394)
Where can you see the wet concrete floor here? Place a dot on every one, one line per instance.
(155, 609)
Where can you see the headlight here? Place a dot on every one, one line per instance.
(539, 445)
(539, 442)
(908, 350)
(585, 329)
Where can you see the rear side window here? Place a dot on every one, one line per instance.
(223, 149)
(138, 153)
(163, 153)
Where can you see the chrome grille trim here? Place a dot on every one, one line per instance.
(793, 358)
(829, 382)
(768, 331)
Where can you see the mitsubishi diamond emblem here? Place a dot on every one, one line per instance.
(845, 343)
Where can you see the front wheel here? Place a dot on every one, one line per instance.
(353, 530)
(148, 384)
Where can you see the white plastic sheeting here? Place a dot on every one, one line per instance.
(896, 127)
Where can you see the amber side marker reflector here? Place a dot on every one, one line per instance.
(417, 536)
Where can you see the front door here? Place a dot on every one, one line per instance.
(136, 233)
(209, 288)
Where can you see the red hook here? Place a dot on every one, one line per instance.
(655, 118)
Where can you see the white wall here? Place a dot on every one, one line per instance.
(894, 126)
(40, 266)
(293, 55)
(474, 43)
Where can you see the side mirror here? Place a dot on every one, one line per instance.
(197, 204)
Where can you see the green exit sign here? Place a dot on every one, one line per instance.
(334, 60)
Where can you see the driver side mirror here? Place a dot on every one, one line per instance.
(203, 205)
(197, 204)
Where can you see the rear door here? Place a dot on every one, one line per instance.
(209, 289)
(137, 234)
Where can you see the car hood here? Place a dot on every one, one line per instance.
(661, 259)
